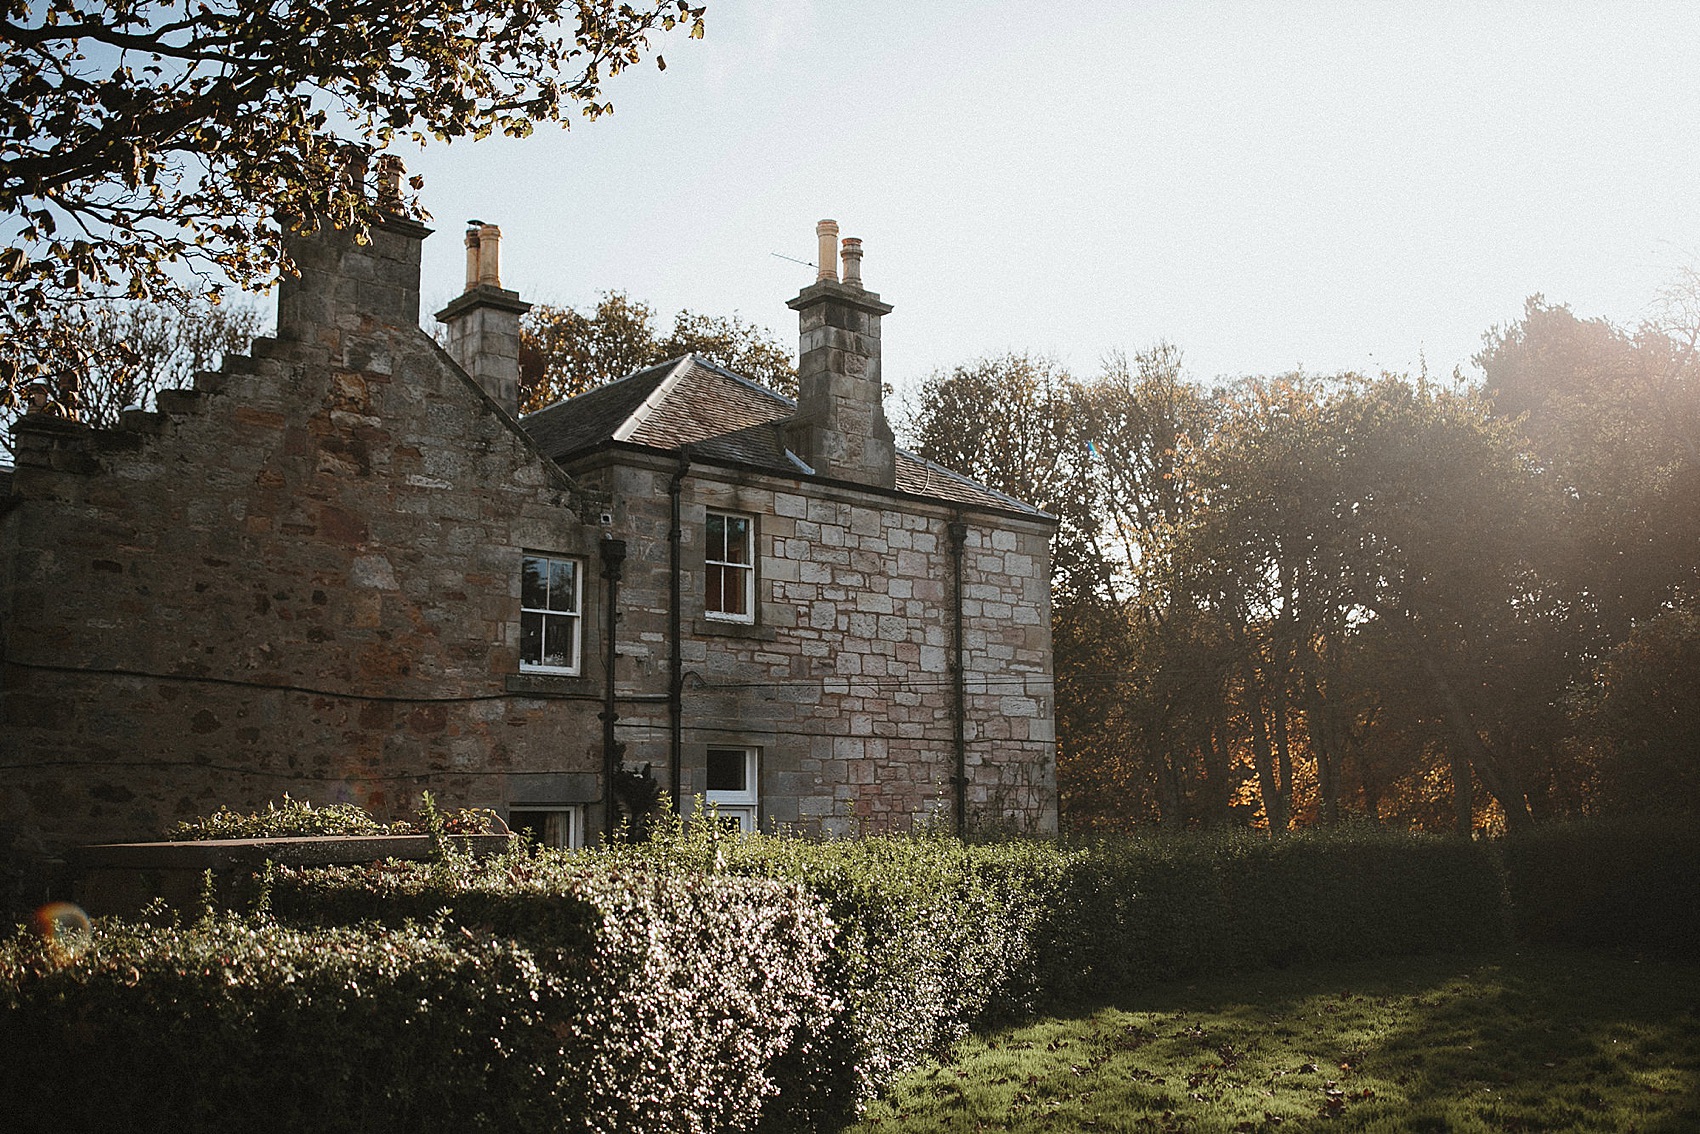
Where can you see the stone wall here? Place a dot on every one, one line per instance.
(843, 682)
(302, 575)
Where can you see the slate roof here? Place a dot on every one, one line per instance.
(726, 419)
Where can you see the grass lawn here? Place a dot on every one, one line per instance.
(1533, 1040)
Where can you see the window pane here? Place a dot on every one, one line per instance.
(531, 639)
(727, 768)
(716, 597)
(563, 592)
(558, 640)
(534, 583)
(737, 539)
(737, 578)
(716, 544)
(551, 828)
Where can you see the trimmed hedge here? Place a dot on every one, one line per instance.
(933, 936)
(1141, 911)
(925, 943)
(708, 980)
(544, 994)
(1633, 882)
(232, 1025)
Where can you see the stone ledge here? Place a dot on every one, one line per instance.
(549, 685)
(753, 632)
(122, 878)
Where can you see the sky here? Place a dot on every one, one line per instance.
(1268, 186)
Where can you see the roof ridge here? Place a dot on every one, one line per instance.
(634, 420)
(598, 390)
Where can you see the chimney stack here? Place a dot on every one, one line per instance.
(483, 322)
(840, 429)
(340, 282)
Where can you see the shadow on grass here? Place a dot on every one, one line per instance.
(1548, 1040)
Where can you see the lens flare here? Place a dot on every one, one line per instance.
(65, 924)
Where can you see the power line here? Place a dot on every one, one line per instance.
(823, 683)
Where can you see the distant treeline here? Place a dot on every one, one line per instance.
(1437, 603)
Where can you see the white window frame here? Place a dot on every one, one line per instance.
(546, 613)
(742, 806)
(569, 833)
(729, 565)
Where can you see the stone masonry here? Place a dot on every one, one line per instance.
(843, 681)
(304, 575)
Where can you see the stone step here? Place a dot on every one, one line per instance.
(141, 421)
(179, 402)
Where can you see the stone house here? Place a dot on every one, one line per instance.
(345, 568)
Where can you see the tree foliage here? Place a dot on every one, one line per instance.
(1640, 720)
(565, 351)
(125, 353)
(142, 139)
(1431, 603)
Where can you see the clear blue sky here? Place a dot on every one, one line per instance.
(1266, 185)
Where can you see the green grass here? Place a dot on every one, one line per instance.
(1547, 1040)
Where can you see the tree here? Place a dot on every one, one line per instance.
(1641, 718)
(565, 351)
(125, 353)
(1011, 423)
(143, 138)
(1137, 737)
(1613, 418)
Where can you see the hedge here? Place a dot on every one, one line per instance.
(1140, 911)
(709, 980)
(236, 1025)
(925, 943)
(1630, 882)
(933, 936)
(514, 994)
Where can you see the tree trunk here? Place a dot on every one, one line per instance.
(1469, 746)
(1322, 747)
(1283, 751)
(1463, 795)
(1263, 756)
(1217, 789)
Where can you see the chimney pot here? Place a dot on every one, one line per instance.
(471, 257)
(390, 169)
(852, 262)
(490, 256)
(826, 232)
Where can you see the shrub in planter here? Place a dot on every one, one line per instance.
(296, 818)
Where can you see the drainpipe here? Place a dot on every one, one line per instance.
(675, 618)
(958, 533)
(613, 555)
